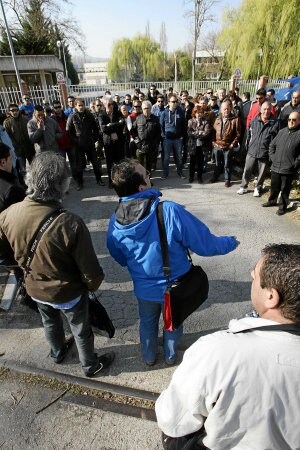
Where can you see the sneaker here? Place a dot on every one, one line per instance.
(242, 191)
(256, 193)
(268, 204)
(67, 346)
(227, 184)
(151, 362)
(181, 176)
(185, 166)
(79, 187)
(104, 361)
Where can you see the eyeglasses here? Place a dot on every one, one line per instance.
(97, 105)
(209, 93)
(57, 107)
(26, 98)
(292, 120)
(14, 110)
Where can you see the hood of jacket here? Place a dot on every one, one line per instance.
(136, 213)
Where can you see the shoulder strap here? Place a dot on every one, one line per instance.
(293, 328)
(49, 219)
(163, 240)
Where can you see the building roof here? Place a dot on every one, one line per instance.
(31, 62)
(206, 54)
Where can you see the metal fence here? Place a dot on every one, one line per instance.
(37, 94)
(89, 93)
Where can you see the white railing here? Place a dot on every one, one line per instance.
(89, 93)
(37, 94)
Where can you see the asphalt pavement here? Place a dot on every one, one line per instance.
(67, 425)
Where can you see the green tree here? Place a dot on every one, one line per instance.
(35, 33)
(263, 36)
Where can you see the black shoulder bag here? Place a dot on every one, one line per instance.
(184, 295)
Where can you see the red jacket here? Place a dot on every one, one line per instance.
(254, 112)
(64, 142)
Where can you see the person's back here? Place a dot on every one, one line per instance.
(10, 189)
(239, 388)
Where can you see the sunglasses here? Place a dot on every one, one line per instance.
(57, 107)
(209, 93)
(292, 120)
(14, 110)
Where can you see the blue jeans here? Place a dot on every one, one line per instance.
(223, 162)
(174, 145)
(149, 320)
(78, 318)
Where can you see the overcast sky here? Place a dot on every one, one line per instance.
(105, 21)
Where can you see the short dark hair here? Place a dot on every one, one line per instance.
(271, 91)
(261, 91)
(38, 108)
(4, 151)
(247, 95)
(71, 97)
(12, 105)
(77, 100)
(184, 92)
(125, 179)
(280, 271)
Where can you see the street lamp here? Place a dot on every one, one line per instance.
(60, 44)
(12, 49)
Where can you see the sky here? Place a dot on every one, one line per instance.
(104, 21)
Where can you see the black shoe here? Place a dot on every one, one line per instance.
(280, 212)
(100, 182)
(191, 180)
(268, 204)
(213, 180)
(200, 181)
(67, 346)
(79, 187)
(104, 361)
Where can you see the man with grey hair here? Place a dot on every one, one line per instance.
(63, 267)
(261, 131)
(146, 133)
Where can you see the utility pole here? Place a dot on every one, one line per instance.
(12, 49)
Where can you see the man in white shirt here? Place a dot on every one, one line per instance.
(239, 388)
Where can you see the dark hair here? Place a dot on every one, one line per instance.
(4, 151)
(231, 94)
(125, 179)
(271, 91)
(280, 271)
(184, 92)
(247, 95)
(160, 96)
(77, 100)
(71, 97)
(10, 105)
(38, 108)
(261, 91)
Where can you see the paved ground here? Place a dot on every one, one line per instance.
(22, 337)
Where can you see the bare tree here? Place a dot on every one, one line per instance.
(163, 40)
(200, 14)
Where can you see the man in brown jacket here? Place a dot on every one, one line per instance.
(228, 131)
(64, 266)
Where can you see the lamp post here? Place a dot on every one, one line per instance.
(60, 44)
(12, 49)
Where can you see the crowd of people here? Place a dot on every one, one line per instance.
(220, 127)
(217, 387)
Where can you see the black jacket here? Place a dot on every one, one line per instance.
(10, 190)
(83, 129)
(285, 151)
(108, 126)
(147, 132)
(259, 136)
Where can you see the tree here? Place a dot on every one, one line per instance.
(34, 32)
(263, 36)
(137, 58)
(200, 14)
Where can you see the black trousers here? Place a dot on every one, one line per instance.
(197, 160)
(114, 153)
(283, 183)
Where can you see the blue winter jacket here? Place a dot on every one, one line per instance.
(137, 245)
